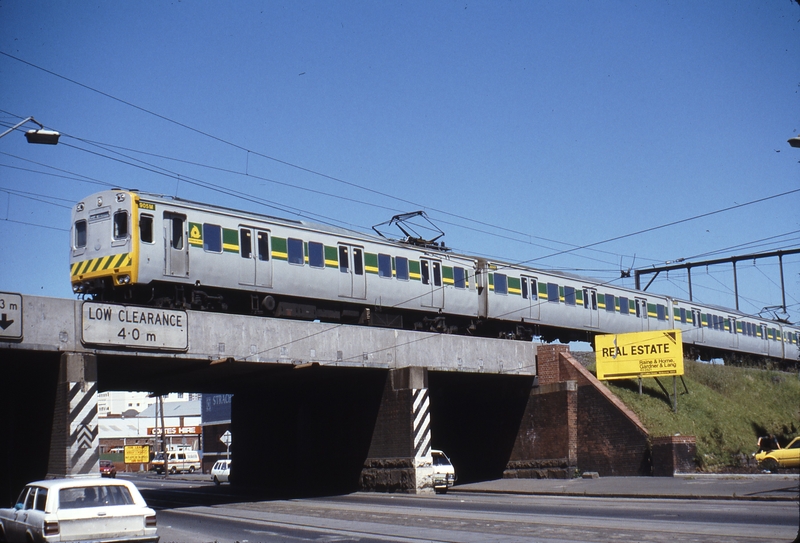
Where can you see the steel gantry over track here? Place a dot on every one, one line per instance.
(656, 270)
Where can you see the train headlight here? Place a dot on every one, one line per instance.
(77, 288)
(124, 279)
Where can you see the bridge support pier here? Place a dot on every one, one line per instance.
(399, 458)
(73, 438)
(546, 445)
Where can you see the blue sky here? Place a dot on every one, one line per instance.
(523, 129)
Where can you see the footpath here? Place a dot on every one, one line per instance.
(769, 487)
(762, 486)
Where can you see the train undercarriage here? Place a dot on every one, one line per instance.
(201, 298)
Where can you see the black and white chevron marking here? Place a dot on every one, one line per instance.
(83, 427)
(422, 422)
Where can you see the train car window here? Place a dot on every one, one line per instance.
(146, 228)
(384, 266)
(316, 254)
(624, 308)
(682, 314)
(121, 225)
(569, 295)
(459, 278)
(552, 292)
(80, 233)
(401, 268)
(524, 285)
(500, 283)
(262, 240)
(425, 272)
(610, 307)
(294, 248)
(661, 312)
(245, 243)
(212, 238)
(358, 261)
(732, 325)
(344, 259)
(177, 232)
(437, 274)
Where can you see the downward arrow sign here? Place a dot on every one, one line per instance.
(4, 322)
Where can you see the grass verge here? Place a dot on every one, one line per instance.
(726, 409)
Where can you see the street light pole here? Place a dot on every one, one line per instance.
(47, 137)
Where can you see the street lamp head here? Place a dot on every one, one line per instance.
(46, 137)
(795, 141)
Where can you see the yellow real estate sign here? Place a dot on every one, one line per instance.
(639, 354)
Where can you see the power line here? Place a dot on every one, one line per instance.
(286, 163)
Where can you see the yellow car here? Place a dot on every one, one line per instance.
(788, 457)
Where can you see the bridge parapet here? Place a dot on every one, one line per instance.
(61, 325)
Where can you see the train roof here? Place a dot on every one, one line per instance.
(327, 228)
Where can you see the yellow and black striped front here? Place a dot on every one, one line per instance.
(103, 266)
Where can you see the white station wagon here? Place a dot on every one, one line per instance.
(81, 509)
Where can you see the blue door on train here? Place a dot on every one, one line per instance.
(255, 264)
(352, 281)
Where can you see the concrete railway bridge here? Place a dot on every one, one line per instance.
(316, 407)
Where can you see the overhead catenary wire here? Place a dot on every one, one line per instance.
(335, 196)
(286, 163)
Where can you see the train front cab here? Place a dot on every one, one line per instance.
(103, 247)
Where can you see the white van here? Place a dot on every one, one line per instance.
(177, 461)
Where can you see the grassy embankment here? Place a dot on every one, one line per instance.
(727, 408)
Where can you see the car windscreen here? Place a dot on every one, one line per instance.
(94, 496)
(440, 460)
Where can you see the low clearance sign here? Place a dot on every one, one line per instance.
(639, 354)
